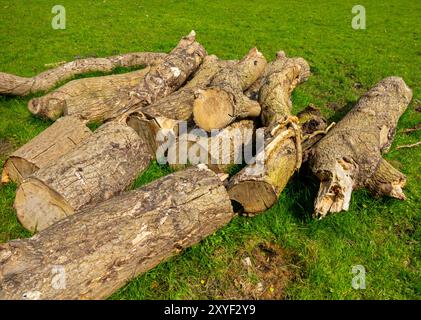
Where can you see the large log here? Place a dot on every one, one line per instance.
(258, 185)
(223, 101)
(169, 112)
(102, 166)
(220, 151)
(97, 250)
(21, 86)
(349, 156)
(92, 99)
(58, 139)
(165, 77)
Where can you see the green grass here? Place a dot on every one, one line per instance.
(381, 234)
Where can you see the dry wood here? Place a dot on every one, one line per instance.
(92, 99)
(169, 112)
(220, 151)
(55, 141)
(257, 186)
(21, 86)
(349, 156)
(165, 77)
(223, 101)
(102, 247)
(103, 165)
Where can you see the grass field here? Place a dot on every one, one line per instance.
(313, 259)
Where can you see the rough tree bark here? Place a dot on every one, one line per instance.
(103, 165)
(349, 156)
(220, 151)
(168, 112)
(101, 247)
(21, 86)
(58, 139)
(258, 185)
(223, 101)
(92, 99)
(165, 77)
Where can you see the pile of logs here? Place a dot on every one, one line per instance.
(72, 182)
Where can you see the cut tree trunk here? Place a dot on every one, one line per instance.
(223, 101)
(21, 86)
(220, 151)
(103, 165)
(258, 186)
(349, 156)
(169, 112)
(165, 77)
(97, 250)
(92, 99)
(58, 139)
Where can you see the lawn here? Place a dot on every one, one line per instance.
(314, 258)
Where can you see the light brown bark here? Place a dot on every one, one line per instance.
(58, 139)
(102, 247)
(258, 186)
(165, 77)
(21, 86)
(93, 99)
(102, 166)
(223, 101)
(349, 156)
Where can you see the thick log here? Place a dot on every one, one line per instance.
(223, 101)
(220, 151)
(97, 250)
(102, 166)
(165, 77)
(21, 86)
(179, 105)
(349, 156)
(58, 139)
(258, 186)
(169, 112)
(92, 99)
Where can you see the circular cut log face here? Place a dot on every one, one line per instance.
(17, 169)
(220, 104)
(254, 196)
(38, 206)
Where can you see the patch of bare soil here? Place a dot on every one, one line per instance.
(262, 270)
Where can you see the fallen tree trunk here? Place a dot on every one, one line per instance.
(97, 250)
(220, 151)
(169, 112)
(223, 101)
(92, 99)
(58, 139)
(258, 186)
(103, 165)
(21, 86)
(349, 156)
(165, 77)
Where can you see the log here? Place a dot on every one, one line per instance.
(102, 247)
(102, 166)
(169, 112)
(223, 101)
(220, 151)
(165, 77)
(58, 139)
(179, 105)
(22, 86)
(92, 99)
(258, 186)
(349, 156)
